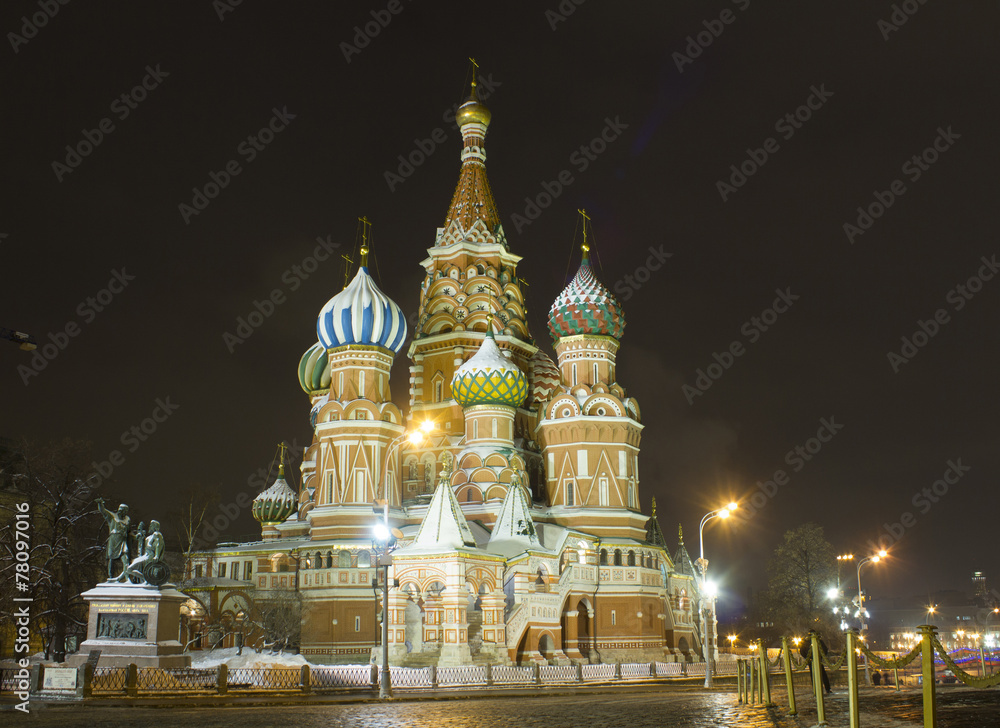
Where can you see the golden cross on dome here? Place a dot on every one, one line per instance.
(281, 461)
(654, 506)
(349, 261)
(585, 248)
(365, 227)
(475, 67)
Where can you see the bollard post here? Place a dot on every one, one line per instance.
(788, 676)
(739, 681)
(652, 669)
(765, 678)
(374, 677)
(618, 671)
(852, 678)
(895, 677)
(684, 669)
(88, 680)
(489, 674)
(751, 663)
(927, 632)
(222, 679)
(817, 680)
(434, 676)
(537, 673)
(132, 680)
(579, 672)
(304, 679)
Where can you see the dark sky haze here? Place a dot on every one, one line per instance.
(893, 425)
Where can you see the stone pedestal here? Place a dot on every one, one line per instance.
(132, 623)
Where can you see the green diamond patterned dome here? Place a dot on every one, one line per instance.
(489, 378)
(586, 306)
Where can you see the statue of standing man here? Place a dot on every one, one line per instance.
(118, 525)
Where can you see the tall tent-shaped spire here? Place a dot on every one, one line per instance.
(444, 525)
(514, 531)
(682, 560)
(473, 212)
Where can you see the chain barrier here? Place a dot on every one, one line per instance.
(986, 681)
(777, 658)
(833, 666)
(883, 663)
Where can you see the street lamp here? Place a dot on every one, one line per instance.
(384, 541)
(723, 513)
(862, 613)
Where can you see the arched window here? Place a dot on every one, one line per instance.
(318, 562)
(344, 559)
(604, 557)
(364, 560)
(618, 557)
(329, 559)
(631, 558)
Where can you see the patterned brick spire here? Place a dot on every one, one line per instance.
(472, 202)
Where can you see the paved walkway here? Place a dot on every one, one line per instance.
(618, 707)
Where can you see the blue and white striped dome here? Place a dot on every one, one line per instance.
(361, 314)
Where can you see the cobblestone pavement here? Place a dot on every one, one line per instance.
(648, 707)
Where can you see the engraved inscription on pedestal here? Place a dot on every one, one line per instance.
(121, 626)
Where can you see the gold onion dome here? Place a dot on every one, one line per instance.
(276, 504)
(489, 378)
(472, 111)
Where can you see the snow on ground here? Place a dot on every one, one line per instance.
(250, 659)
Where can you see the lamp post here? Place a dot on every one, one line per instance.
(707, 613)
(384, 542)
(862, 613)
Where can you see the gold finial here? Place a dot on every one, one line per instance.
(584, 247)
(475, 67)
(365, 227)
(680, 534)
(348, 262)
(281, 462)
(654, 506)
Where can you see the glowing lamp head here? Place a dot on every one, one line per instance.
(427, 426)
(883, 553)
(876, 559)
(832, 592)
(380, 532)
(733, 506)
(711, 589)
(415, 438)
(724, 513)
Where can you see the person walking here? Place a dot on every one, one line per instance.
(806, 652)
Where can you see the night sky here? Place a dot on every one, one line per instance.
(708, 203)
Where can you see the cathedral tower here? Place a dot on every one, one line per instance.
(471, 286)
(589, 429)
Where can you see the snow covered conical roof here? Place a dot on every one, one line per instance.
(514, 531)
(444, 525)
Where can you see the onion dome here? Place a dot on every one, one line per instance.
(471, 111)
(276, 503)
(586, 306)
(489, 378)
(544, 377)
(361, 314)
(314, 369)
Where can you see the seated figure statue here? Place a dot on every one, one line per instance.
(149, 553)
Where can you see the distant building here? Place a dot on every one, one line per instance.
(523, 535)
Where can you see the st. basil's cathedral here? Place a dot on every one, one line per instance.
(520, 534)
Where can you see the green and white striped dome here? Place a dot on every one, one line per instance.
(489, 378)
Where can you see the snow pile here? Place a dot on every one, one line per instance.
(250, 659)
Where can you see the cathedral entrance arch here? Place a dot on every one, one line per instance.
(583, 628)
(546, 646)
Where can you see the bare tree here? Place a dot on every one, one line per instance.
(196, 503)
(278, 616)
(51, 484)
(802, 569)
